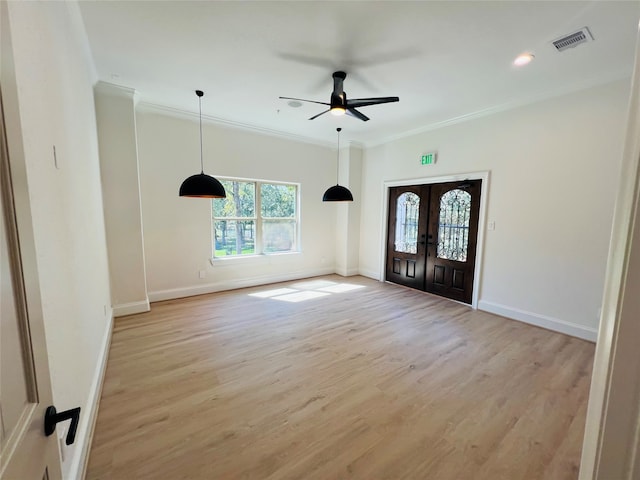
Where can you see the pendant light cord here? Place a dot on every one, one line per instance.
(338, 162)
(201, 160)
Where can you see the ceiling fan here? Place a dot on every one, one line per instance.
(340, 105)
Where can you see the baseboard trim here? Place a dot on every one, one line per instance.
(86, 429)
(550, 323)
(131, 308)
(348, 273)
(174, 293)
(373, 274)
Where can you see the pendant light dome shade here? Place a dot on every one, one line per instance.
(337, 193)
(202, 185)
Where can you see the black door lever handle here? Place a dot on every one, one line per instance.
(52, 417)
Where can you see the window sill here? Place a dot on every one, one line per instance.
(260, 257)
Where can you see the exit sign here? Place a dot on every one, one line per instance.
(428, 158)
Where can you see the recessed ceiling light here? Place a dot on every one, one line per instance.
(523, 59)
(294, 104)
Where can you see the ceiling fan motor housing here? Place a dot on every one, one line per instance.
(339, 100)
(338, 96)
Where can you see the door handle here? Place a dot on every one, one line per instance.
(52, 417)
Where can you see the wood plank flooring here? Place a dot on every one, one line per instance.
(318, 379)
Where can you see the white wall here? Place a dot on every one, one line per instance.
(348, 213)
(116, 120)
(554, 169)
(177, 231)
(54, 74)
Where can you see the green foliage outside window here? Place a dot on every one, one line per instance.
(236, 226)
(278, 201)
(240, 201)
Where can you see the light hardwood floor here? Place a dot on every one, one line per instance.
(378, 382)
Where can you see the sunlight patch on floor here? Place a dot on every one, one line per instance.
(301, 296)
(340, 288)
(273, 293)
(312, 284)
(307, 290)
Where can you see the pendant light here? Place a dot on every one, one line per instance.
(337, 193)
(202, 185)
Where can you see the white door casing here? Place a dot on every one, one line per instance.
(25, 383)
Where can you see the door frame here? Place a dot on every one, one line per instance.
(611, 442)
(459, 177)
(22, 249)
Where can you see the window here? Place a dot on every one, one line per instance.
(407, 212)
(255, 218)
(453, 225)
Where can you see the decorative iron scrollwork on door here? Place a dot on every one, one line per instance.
(407, 216)
(453, 225)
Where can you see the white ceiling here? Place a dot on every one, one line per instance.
(445, 60)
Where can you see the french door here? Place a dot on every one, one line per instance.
(432, 236)
(406, 240)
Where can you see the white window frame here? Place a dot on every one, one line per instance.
(258, 220)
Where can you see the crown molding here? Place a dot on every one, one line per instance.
(184, 114)
(114, 90)
(609, 77)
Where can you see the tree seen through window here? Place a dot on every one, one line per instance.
(237, 229)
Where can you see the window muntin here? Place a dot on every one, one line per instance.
(453, 225)
(407, 215)
(239, 231)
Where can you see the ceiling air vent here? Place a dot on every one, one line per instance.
(573, 40)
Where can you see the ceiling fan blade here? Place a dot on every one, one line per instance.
(355, 113)
(364, 102)
(321, 113)
(303, 100)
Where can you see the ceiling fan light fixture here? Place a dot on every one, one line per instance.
(337, 193)
(337, 111)
(523, 59)
(201, 185)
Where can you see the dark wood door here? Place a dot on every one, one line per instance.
(432, 235)
(406, 235)
(451, 239)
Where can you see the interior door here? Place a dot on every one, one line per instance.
(25, 388)
(406, 235)
(451, 239)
